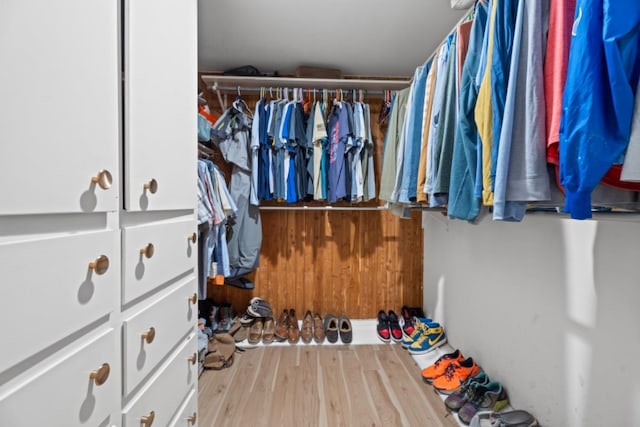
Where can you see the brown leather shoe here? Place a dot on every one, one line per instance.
(255, 332)
(307, 328)
(318, 329)
(294, 332)
(268, 331)
(282, 326)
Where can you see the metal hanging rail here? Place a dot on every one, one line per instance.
(218, 82)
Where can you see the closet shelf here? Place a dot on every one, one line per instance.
(220, 82)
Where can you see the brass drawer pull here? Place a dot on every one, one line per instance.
(152, 186)
(148, 250)
(193, 299)
(192, 419)
(193, 359)
(149, 335)
(103, 179)
(147, 421)
(100, 375)
(100, 265)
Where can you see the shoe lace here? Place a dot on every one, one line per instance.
(450, 370)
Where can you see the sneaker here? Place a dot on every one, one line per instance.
(430, 339)
(420, 327)
(456, 374)
(259, 308)
(458, 398)
(489, 397)
(282, 326)
(416, 312)
(432, 372)
(516, 418)
(394, 326)
(407, 321)
(384, 334)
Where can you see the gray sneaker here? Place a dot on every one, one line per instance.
(517, 418)
(259, 308)
(458, 398)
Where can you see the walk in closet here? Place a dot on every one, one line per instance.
(101, 239)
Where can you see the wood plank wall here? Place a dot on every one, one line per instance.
(351, 262)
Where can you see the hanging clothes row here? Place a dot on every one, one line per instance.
(483, 117)
(309, 150)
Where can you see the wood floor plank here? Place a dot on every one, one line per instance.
(386, 408)
(363, 409)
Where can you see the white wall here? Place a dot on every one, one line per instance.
(549, 307)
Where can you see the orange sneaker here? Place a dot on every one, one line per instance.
(455, 374)
(432, 372)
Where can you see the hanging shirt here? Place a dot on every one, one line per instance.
(338, 134)
(421, 196)
(463, 203)
(255, 152)
(319, 134)
(603, 70)
(631, 167)
(561, 15)
(370, 180)
(484, 112)
(392, 138)
(521, 167)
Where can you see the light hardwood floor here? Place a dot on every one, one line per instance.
(325, 385)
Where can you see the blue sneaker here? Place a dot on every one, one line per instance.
(432, 337)
(420, 327)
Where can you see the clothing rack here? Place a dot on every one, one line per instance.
(220, 82)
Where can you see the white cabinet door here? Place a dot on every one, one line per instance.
(160, 104)
(59, 105)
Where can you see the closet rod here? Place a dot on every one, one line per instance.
(216, 81)
(234, 89)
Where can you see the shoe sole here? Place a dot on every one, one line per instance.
(384, 339)
(433, 347)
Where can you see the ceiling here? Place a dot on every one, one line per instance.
(369, 38)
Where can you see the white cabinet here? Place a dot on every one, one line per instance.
(75, 284)
(160, 104)
(59, 98)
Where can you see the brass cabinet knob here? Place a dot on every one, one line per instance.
(193, 237)
(193, 359)
(147, 421)
(103, 179)
(149, 335)
(100, 375)
(192, 419)
(148, 250)
(100, 265)
(194, 298)
(152, 186)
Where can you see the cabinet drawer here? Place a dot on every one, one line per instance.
(166, 389)
(50, 291)
(65, 394)
(187, 414)
(150, 334)
(155, 253)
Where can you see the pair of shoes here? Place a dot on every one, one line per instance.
(483, 397)
(312, 328)
(262, 331)
(438, 368)
(430, 337)
(338, 326)
(516, 418)
(408, 319)
(287, 327)
(388, 327)
(455, 374)
(458, 398)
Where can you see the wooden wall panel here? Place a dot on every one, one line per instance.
(352, 262)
